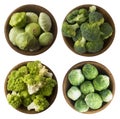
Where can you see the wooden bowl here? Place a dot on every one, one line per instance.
(69, 42)
(50, 98)
(36, 9)
(102, 70)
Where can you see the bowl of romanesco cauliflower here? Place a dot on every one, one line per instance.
(31, 87)
(88, 30)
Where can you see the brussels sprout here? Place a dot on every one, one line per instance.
(86, 87)
(33, 28)
(45, 21)
(81, 106)
(32, 17)
(73, 93)
(106, 95)
(23, 40)
(101, 82)
(75, 77)
(46, 39)
(13, 33)
(90, 71)
(18, 19)
(93, 100)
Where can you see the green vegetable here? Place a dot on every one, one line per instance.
(79, 46)
(69, 30)
(96, 18)
(81, 106)
(106, 30)
(13, 33)
(33, 28)
(18, 19)
(86, 87)
(29, 85)
(92, 8)
(94, 46)
(75, 77)
(46, 39)
(93, 100)
(77, 16)
(90, 32)
(39, 104)
(73, 93)
(101, 82)
(45, 21)
(32, 17)
(89, 71)
(14, 100)
(106, 95)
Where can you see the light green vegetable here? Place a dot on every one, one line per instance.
(86, 87)
(13, 33)
(101, 82)
(73, 93)
(93, 100)
(90, 71)
(18, 19)
(69, 30)
(32, 17)
(45, 21)
(29, 86)
(106, 95)
(75, 77)
(33, 28)
(46, 39)
(81, 106)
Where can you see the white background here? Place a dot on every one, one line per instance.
(59, 58)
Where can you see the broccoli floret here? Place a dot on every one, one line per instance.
(94, 46)
(14, 100)
(92, 8)
(77, 16)
(96, 18)
(79, 46)
(40, 103)
(106, 30)
(26, 101)
(15, 82)
(23, 70)
(69, 30)
(90, 32)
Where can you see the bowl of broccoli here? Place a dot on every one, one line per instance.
(31, 87)
(88, 30)
(30, 29)
(88, 87)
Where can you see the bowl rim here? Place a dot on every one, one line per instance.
(51, 98)
(101, 68)
(32, 8)
(106, 44)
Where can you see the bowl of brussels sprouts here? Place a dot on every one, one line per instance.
(30, 29)
(88, 87)
(88, 30)
(31, 87)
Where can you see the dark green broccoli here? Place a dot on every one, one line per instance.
(94, 46)
(78, 35)
(90, 32)
(77, 16)
(106, 30)
(69, 30)
(14, 100)
(96, 18)
(79, 46)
